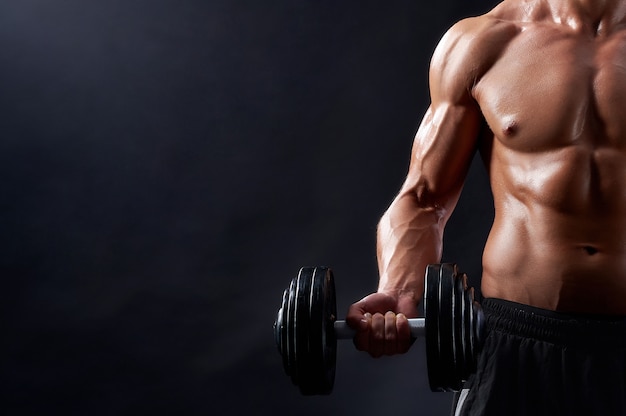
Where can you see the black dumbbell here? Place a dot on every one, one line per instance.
(306, 330)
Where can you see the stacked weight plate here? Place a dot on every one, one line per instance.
(454, 327)
(304, 330)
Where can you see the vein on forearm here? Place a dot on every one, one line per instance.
(410, 237)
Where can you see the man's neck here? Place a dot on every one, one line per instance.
(596, 15)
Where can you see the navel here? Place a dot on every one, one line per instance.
(590, 250)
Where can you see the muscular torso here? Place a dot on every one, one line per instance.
(555, 104)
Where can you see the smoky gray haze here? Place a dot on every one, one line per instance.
(168, 165)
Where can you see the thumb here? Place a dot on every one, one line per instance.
(357, 318)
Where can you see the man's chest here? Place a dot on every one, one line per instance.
(550, 89)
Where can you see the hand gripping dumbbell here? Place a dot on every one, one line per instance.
(306, 330)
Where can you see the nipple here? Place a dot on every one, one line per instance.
(510, 128)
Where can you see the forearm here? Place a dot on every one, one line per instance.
(410, 236)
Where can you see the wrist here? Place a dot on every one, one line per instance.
(405, 294)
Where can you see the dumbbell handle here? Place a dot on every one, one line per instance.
(343, 331)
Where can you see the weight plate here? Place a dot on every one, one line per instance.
(280, 332)
(479, 331)
(322, 340)
(447, 343)
(472, 324)
(289, 333)
(328, 330)
(467, 326)
(467, 320)
(303, 370)
(459, 327)
(431, 315)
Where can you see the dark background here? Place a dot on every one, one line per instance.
(168, 165)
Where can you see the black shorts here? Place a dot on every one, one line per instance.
(537, 362)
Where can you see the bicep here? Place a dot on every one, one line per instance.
(447, 138)
(442, 152)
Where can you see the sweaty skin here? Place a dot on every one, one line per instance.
(538, 87)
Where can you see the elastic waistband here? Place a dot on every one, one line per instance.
(554, 327)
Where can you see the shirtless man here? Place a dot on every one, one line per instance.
(539, 88)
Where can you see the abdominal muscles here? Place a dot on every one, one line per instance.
(559, 236)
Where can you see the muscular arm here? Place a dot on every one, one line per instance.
(410, 233)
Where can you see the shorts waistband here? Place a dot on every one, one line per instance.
(555, 327)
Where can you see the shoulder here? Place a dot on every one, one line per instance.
(468, 49)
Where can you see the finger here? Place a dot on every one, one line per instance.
(403, 333)
(390, 334)
(377, 335)
(362, 337)
(356, 317)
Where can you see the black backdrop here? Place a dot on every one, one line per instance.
(167, 165)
